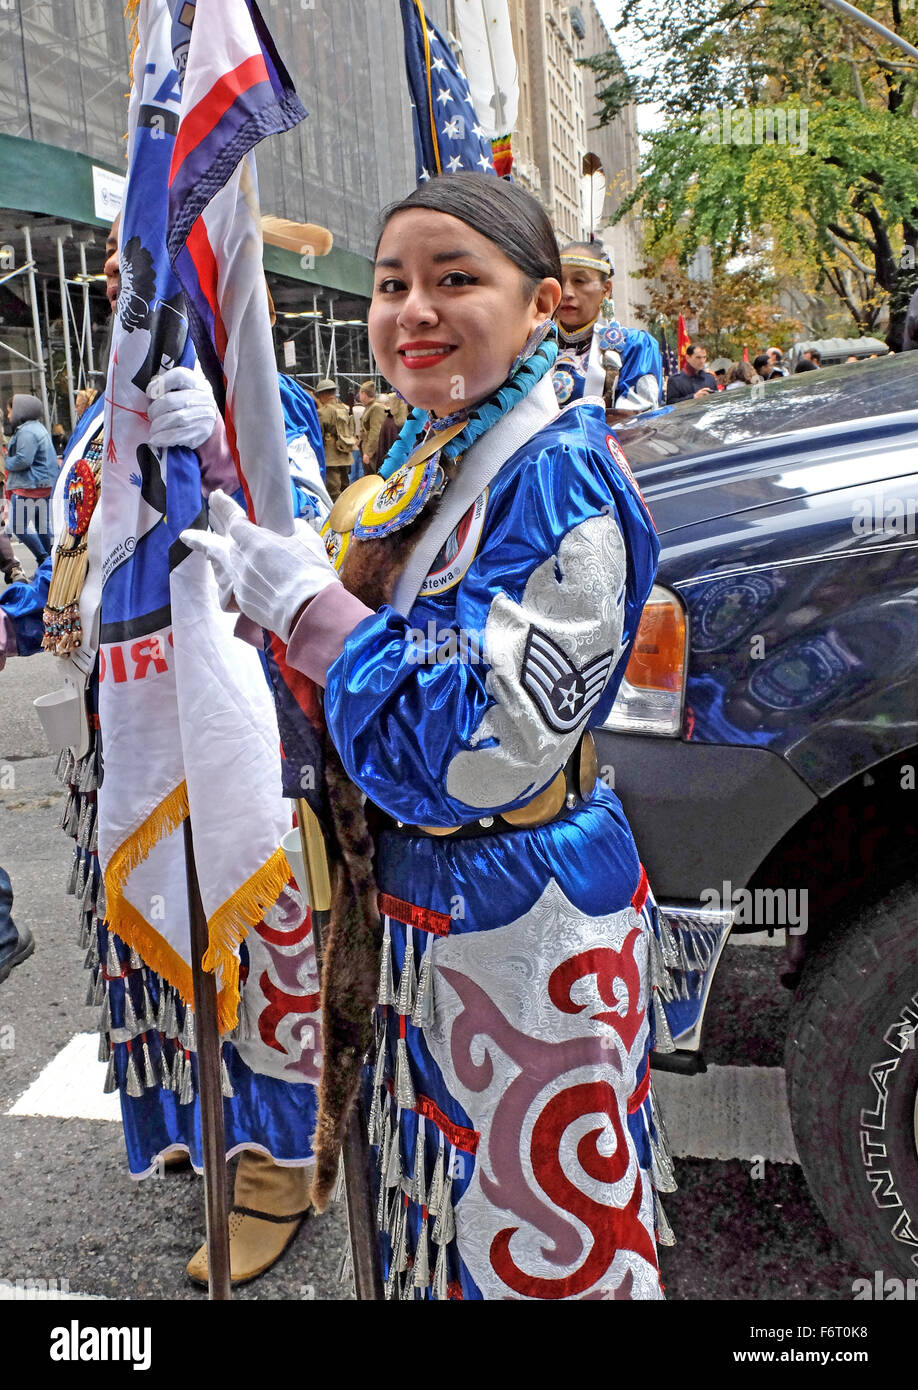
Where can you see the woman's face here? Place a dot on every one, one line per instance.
(582, 296)
(448, 314)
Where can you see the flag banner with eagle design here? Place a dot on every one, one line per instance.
(186, 719)
(236, 91)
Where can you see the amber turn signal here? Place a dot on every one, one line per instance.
(658, 656)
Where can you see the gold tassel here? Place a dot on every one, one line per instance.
(132, 12)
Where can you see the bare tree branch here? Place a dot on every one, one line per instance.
(855, 260)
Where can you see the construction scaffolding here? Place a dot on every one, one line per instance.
(321, 342)
(63, 74)
(54, 317)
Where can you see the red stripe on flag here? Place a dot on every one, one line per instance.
(211, 109)
(249, 504)
(205, 262)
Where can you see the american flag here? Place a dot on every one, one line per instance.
(670, 364)
(448, 135)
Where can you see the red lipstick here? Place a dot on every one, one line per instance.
(424, 353)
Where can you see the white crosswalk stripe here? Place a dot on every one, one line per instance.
(70, 1086)
(727, 1112)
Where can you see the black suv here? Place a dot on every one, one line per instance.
(765, 747)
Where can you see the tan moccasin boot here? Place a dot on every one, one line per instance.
(269, 1206)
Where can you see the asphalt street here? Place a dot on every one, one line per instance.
(71, 1215)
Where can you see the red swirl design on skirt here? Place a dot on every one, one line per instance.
(612, 1228)
(607, 965)
(280, 1004)
(281, 936)
(548, 1204)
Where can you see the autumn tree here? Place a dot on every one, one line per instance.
(786, 122)
(732, 309)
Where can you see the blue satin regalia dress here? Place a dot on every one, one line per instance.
(578, 370)
(509, 1104)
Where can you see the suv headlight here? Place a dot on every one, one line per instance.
(649, 700)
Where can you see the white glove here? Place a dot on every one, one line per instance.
(266, 576)
(181, 409)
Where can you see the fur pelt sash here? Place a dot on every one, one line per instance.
(351, 948)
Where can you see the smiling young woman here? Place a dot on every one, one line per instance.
(487, 592)
(451, 306)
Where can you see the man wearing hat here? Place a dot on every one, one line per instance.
(337, 435)
(371, 423)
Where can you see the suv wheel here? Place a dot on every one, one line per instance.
(852, 1075)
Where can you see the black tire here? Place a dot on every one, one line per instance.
(852, 1074)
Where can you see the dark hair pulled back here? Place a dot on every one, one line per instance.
(503, 212)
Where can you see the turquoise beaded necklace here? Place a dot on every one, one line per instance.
(529, 366)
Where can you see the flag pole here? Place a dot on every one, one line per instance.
(210, 1088)
(355, 1150)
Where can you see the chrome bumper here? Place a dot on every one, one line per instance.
(693, 939)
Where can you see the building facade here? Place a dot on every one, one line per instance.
(63, 114)
(618, 148)
(558, 124)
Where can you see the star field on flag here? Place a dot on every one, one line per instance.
(448, 135)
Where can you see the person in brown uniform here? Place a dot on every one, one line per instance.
(337, 436)
(371, 423)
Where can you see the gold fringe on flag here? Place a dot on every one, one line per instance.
(132, 12)
(227, 928)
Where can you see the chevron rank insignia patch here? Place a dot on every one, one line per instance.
(563, 694)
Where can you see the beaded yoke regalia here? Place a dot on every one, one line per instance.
(602, 358)
(518, 1151)
(147, 1032)
(587, 365)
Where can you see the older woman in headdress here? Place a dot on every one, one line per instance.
(598, 356)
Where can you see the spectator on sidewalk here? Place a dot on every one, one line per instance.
(776, 362)
(31, 469)
(693, 381)
(763, 366)
(338, 436)
(374, 413)
(741, 374)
